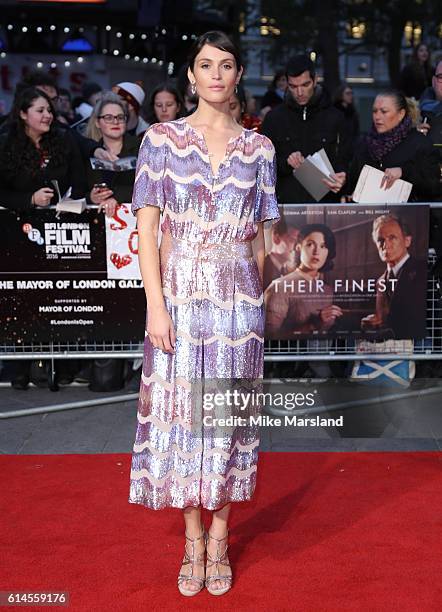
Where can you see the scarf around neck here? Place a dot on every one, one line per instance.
(379, 145)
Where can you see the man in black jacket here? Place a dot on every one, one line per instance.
(304, 124)
(401, 289)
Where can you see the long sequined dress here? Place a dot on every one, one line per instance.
(213, 292)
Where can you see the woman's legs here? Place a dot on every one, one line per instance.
(194, 529)
(218, 530)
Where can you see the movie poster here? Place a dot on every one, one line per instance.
(58, 285)
(347, 271)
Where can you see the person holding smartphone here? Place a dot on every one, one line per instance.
(107, 125)
(34, 153)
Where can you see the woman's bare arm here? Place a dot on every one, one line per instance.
(159, 324)
(259, 249)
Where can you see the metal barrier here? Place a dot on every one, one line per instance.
(274, 350)
(339, 349)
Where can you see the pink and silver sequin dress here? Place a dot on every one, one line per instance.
(213, 293)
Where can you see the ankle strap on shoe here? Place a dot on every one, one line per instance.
(218, 539)
(195, 539)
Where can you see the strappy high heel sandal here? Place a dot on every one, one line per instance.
(193, 560)
(219, 560)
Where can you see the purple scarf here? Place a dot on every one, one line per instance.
(381, 144)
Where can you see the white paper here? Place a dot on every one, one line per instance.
(369, 191)
(71, 206)
(311, 172)
(319, 162)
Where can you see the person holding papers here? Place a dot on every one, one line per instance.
(303, 125)
(398, 149)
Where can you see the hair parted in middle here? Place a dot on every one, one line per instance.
(108, 97)
(217, 39)
(329, 239)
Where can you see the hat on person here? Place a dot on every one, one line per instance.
(133, 93)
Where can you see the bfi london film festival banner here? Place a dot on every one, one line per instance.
(347, 271)
(72, 278)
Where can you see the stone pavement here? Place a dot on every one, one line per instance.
(381, 420)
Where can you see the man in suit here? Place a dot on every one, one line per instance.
(401, 289)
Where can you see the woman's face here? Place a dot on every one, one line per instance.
(347, 95)
(422, 53)
(112, 121)
(235, 108)
(38, 118)
(386, 115)
(281, 83)
(166, 107)
(215, 74)
(313, 251)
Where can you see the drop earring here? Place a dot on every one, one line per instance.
(236, 88)
(193, 88)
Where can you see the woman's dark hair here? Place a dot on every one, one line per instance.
(339, 92)
(19, 152)
(414, 58)
(278, 74)
(399, 98)
(240, 94)
(217, 39)
(329, 239)
(151, 116)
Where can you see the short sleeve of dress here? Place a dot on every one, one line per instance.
(148, 186)
(266, 205)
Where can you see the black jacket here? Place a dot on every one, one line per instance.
(306, 129)
(407, 310)
(121, 183)
(87, 145)
(351, 118)
(16, 192)
(417, 158)
(413, 80)
(431, 109)
(271, 98)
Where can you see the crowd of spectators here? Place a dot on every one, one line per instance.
(49, 136)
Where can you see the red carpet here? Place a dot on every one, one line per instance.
(325, 532)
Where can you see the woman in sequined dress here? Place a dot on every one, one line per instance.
(213, 182)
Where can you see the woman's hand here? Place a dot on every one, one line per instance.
(329, 314)
(105, 155)
(42, 197)
(336, 181)
(160, 329)
(390, 176)
(99, 194)
(109, 206)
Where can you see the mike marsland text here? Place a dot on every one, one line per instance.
(264, 420)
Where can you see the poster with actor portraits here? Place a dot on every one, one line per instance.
(347, 271)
